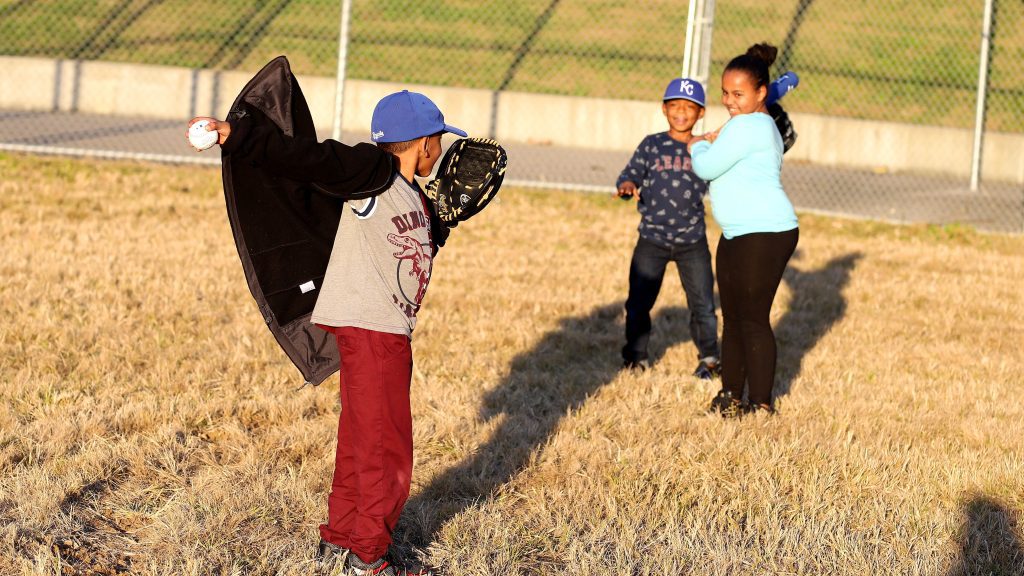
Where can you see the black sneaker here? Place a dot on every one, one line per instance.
(724, 404)
(636, 365)
(708, 368)
(354, 566)
(330, 558)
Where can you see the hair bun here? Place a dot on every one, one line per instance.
(764, 52)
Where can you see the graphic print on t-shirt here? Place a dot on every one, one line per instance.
(675, 163)
(414, 261)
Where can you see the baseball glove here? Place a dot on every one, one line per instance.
(467, 179)
(784, 125)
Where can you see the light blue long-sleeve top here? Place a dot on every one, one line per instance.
(744, 167)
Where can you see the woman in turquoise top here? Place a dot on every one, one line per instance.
(743, 162)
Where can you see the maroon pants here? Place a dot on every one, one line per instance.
(373, 464)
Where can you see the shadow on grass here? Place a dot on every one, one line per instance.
(544, 384)
(988, 541)
(816, 306)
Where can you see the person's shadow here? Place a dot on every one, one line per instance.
(988, 542)
(544, 384)
(817, 304)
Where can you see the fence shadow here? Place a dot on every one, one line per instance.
(988, 542)
(817, 304)
(545, 383)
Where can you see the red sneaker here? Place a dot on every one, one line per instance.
(382, 567)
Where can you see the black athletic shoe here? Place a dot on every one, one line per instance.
(723, 403)
(636, 365)
(330, 558)
(708, 368)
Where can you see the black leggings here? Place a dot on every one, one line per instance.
(750, 269)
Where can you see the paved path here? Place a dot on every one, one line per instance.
(860, 193)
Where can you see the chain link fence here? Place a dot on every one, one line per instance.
(118, 78)
(886, 109)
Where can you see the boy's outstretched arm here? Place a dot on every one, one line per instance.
(344, 170)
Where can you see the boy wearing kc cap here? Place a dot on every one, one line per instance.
(671, 228)
(376, 278)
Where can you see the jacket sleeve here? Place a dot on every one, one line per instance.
(734, 142)
(344, 170)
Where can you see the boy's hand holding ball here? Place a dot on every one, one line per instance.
(205, 132)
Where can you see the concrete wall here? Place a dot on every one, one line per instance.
(169, 92)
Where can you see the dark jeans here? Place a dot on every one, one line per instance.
(646, 272)
(750, 269)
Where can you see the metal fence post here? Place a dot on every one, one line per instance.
(697, 49)
(339, 90)
(708, 22)
(691, 23)
(979, 116)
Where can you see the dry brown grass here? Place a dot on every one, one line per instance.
(149, 424)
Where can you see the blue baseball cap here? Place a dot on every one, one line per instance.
(404, 116)
(684, 89)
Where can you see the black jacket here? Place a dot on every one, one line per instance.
(285, 192)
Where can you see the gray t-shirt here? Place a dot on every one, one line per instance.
(380, 264)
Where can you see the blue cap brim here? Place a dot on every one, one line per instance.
(454, 130)
(694, 100)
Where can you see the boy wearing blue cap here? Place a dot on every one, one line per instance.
(375, 282)
(671, 228)
(377, 276)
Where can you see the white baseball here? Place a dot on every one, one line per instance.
(199, 137)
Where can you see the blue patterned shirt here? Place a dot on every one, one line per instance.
(671, 201)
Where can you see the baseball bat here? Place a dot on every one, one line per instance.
(782, 86)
